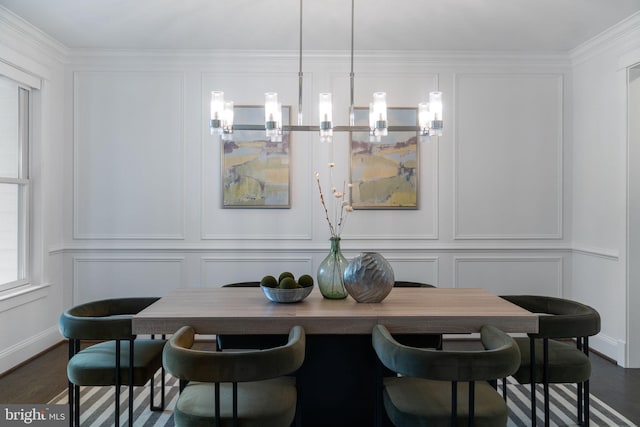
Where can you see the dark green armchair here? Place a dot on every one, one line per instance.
(557, 358)
(442, 387)
(108, 361)
(243, 388)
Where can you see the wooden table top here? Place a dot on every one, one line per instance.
(405, 310)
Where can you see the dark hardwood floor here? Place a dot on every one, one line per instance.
(43, 377)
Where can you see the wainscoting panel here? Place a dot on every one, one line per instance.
(539, 275)
(508, 156)
(415, 269)
(112, 277)
(128, 155)
(218, 271)
(256, 223)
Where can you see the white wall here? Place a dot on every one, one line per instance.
(524, 193)
(599, 183)
(28, 316)
(143, 211)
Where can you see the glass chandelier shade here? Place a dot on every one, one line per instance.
(325, 109)
(430, 122)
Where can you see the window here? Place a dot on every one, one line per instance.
(14, 184)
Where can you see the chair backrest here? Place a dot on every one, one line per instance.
(408, 284)
(103, 319)
(185, 363)
(499, 359)
(568, 319)
(242, 285)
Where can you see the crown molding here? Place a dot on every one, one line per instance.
(622, 32)
(38, 39)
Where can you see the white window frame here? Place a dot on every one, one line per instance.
(23, 183)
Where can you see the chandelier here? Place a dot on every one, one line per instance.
(430, 121)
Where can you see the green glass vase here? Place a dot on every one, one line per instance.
(330, 272)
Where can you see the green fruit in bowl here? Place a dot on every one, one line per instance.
(269, 281)
(288, 283)
(284, 275)
(305, 281)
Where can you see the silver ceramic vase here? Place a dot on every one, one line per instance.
(368, 277)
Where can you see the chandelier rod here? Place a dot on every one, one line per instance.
(352, 117)
(300, 71)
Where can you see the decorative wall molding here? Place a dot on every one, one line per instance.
(433, 261)
(609, 254)
(557, 233)
(132, 281)
(225, 246)
(17, 297)
(32, 35)
(258, 264)
(14, 355)
(78, 212)
(606, 40)
(458, 261)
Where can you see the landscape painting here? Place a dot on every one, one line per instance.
(255, 170)
(384, 173)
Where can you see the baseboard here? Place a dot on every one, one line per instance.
(609, 348)
(26, 349)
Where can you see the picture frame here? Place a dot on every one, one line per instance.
(255, 172)
(385, 173)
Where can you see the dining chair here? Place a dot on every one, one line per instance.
(248, 341)
(108, 362)
(445, 387)
(417, 340)
(243, 389)
(556, 358)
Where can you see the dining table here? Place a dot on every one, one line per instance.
(339, 380)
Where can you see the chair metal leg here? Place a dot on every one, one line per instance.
(117, 385)
(472, 408)
(504, 389)
(532, 369)
(545, 369)
(454, 403)
(76, 404)
(131, 365)
(71, 386)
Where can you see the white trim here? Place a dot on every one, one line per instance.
(19, 75)
(22, 351)
(604, 40)
(559, 234)
(15, 297)
(457, 260)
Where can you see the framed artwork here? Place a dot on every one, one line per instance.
(385, 173)
(255, 170)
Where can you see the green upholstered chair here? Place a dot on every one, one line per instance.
(446, 388)
(417, 340)
(107, 362)
(557, 361)
(244, 388)
(248, 341)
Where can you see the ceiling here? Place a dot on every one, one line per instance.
(452, 25)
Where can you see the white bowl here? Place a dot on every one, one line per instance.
(286, 295)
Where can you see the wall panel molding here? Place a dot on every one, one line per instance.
(98, 277)
(254, 268)
(528, 273)
(507, 185)
(117, 192)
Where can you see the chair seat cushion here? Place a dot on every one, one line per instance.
(95, 365)
(260, 403)
(567, 364)
(423, 402)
